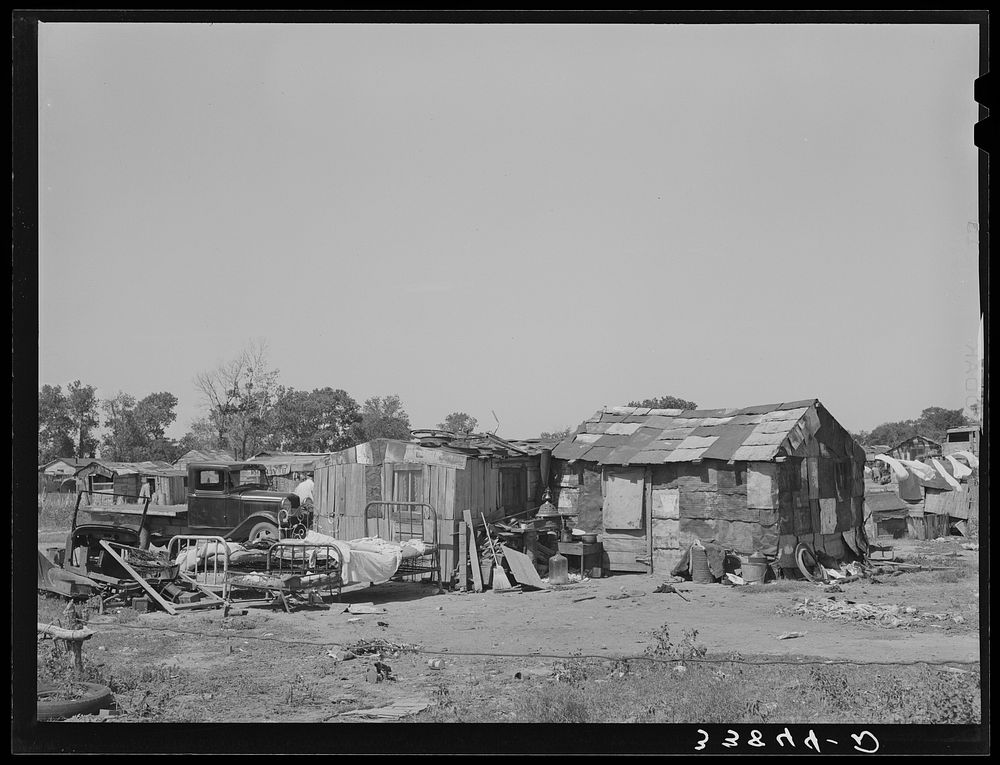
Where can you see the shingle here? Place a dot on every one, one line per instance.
(650, 457)
(624, 428)
(755, 453)
(567, 450)
(610, 439)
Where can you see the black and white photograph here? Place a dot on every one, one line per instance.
(591, 383)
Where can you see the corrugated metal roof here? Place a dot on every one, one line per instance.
(621, 434)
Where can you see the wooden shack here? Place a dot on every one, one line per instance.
(481, 473)
(59, 475)
(758, 479)
(914, 448)
(166, 484)
(285, 470)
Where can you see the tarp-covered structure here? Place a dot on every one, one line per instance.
(756, 479)
(940, 495)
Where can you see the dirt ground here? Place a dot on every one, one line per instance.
(270, 659)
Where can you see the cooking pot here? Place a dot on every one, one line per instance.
(588, 539)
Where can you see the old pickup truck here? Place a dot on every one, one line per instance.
(226, 499)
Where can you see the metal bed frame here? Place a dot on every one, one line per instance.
(398, 521)
(292, 569)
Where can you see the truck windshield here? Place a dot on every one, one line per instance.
(248, 478)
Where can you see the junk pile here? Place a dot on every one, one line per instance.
(891, 616)
(122, 575)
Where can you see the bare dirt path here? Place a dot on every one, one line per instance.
(485, 637)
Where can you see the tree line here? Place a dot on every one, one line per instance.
(245, 410)
(933, 422)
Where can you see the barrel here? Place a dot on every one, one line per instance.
(700, 573)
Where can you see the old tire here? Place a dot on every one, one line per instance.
(264, 529)
(808, 564)
(95, 698)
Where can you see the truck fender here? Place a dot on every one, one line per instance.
(243, 530)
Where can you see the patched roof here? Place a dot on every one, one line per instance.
(624, 435)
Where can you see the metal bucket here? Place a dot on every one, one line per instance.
(755, 570)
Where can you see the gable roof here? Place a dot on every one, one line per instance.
(204, 455)
(623, 435)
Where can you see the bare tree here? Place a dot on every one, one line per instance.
(239, 396)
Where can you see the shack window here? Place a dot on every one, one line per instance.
(955, 437)
(407, 483)
(210, 480)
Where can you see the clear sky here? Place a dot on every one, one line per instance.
(536, 220)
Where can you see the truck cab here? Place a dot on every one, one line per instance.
(234, 500)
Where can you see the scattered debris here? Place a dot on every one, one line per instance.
(884, 615)
(670, 588)
(394, 711)
(625, 594)
(587, 597)
(364, 608)
(790, 635)
(378, 672)
(379, 646)
(341, 655)
(435, 663)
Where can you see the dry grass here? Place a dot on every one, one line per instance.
(55, 511)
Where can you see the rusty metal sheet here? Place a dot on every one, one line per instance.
(597, 427)
(598, 453)
(570, 451)
(609, 439)
(746, 419)
(764, 439)
(803, 404)
(623, 428)
(650, 457)
(522, 569)
(776, 426)
(785, 414)
(623, 410)
(685, 455)
(639, 441)
(760, 409)
(697, 442)
(675, 433)
(727, 444)
(755, 453)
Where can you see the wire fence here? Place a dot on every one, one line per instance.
(573, 656)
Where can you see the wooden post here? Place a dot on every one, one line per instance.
(463, 557)
(73, 638)
(477, 572)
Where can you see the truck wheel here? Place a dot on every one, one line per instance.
(263, 530)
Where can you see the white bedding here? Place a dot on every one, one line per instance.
(368, 560)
